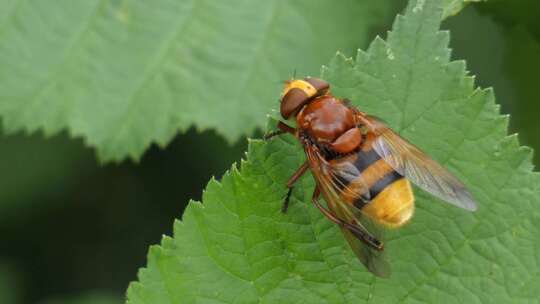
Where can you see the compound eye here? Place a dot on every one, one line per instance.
(320, 85)
(293, 101)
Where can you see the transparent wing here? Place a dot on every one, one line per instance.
(346, 178)
(323, 171)
(375, 261)
(416, 166)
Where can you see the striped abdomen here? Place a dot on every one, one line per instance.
(391, 200)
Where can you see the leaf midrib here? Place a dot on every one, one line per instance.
(52, 79)
(153, 69)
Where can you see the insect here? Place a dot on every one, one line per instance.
(361, 167)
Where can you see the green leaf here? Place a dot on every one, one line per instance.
(124, 74)
(237, 247)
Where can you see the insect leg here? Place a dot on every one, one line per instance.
(290, 184)
(283, 128)
(358, 231)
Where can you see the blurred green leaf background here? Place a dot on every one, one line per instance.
(75, 231)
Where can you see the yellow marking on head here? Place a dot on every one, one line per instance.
(302, 85)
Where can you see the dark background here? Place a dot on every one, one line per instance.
(69, 225)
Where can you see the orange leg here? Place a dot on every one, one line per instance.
(360, 232)
(283, 128)
(290, 184)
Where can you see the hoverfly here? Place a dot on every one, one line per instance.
(361, 167)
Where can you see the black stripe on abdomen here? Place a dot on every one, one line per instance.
(362, 162)
(378, 187)
(384, 182)
(365, 159)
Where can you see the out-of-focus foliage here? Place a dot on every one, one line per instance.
(521, 13)
(35, 169)
(452, 7)
(501, 41)
(124, 74)
(10, 285)
(88, 298)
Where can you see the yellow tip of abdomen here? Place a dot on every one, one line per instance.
(394, 206)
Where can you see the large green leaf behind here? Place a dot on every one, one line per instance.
(123, 74)
(237, 247)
